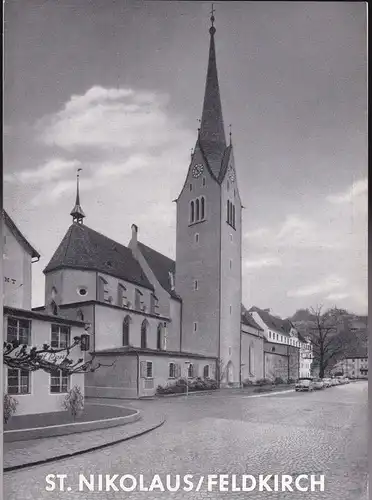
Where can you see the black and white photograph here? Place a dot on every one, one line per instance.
(184, 233)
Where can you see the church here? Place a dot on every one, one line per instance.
(153, 319)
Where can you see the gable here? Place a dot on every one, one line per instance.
(19, 236)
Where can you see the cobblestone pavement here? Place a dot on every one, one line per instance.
(322, 432)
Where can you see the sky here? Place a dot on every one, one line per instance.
(116, 88)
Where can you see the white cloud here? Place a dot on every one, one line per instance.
(330, 283)
(357, 189)
(49, 171)
(118, 118)
(337, 296)
(261, 262)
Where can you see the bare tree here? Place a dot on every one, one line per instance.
(46, 358)
(323, 331)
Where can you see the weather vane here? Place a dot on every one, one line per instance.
(212, 13)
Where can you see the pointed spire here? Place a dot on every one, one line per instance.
(77, 212)
(212, 132)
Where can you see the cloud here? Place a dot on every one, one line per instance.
(107, 118)
(357, 189)
(261, 262)
(328, 284)
(295, 232)
(337, 296)
(49, 171)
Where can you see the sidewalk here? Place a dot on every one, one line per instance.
(23, 454)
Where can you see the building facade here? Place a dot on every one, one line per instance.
(37, 391)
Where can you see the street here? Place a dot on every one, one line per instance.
(324, 432)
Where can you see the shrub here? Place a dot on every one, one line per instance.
(263, 381)
(278, 380)
(10, 407)
(247, 382)
(291, 381)
(74, 401)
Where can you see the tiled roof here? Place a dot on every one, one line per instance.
(273, 322)
(84, 248)
(161, 266)
(248, 320)
(19, 236)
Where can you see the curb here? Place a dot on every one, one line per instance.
(81, 452)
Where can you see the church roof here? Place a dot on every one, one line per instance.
(212, 133)
(19, 236)
(161, 266)
(84, 248)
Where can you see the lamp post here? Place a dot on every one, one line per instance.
(187, 363)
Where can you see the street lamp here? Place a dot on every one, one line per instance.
(187, 363)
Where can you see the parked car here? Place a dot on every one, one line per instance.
(304, 384)
(318, 384)
(327, 382)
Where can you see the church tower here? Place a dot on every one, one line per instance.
(208, 248)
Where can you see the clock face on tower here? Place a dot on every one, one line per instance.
(197, 171)
(231, 174)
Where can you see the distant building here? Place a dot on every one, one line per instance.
(353, 365)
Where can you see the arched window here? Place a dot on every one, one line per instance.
(197, 203)
(202, 207)
(206, 371)
(190, 371)
(80, 315)
(144, 334)
(54, 292)
(192, 211)
(159, 337)
(126, 326)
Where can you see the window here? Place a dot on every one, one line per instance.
(148, 369)
(144, 334)
(269, 334)
(230, 309)
(228, 185)
(18, 381)
(229, 351)
(195, 326)
(197, 210)
(54, 292)
(122, 295)
(195, 284)
(60, 337)
(19, 329)
(159, 337)
(58, 382)
(204, 181)
(153, 303)
(54, 308)
(231, 237)
(137, 299)
(230, 215)
(251, 359)
(103, 292)
(196, 237)
(126, 328)
(190, 186)
(172, 370)
(206, 371)
(192, 212)
(230, 264)
(80, 315)
(190, 371)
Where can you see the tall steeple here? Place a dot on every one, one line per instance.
(212, 133)
(77, 212)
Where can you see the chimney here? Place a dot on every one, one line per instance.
(134, 233)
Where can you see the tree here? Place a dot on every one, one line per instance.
(221, 371)
(47, 358)
(323, 330)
